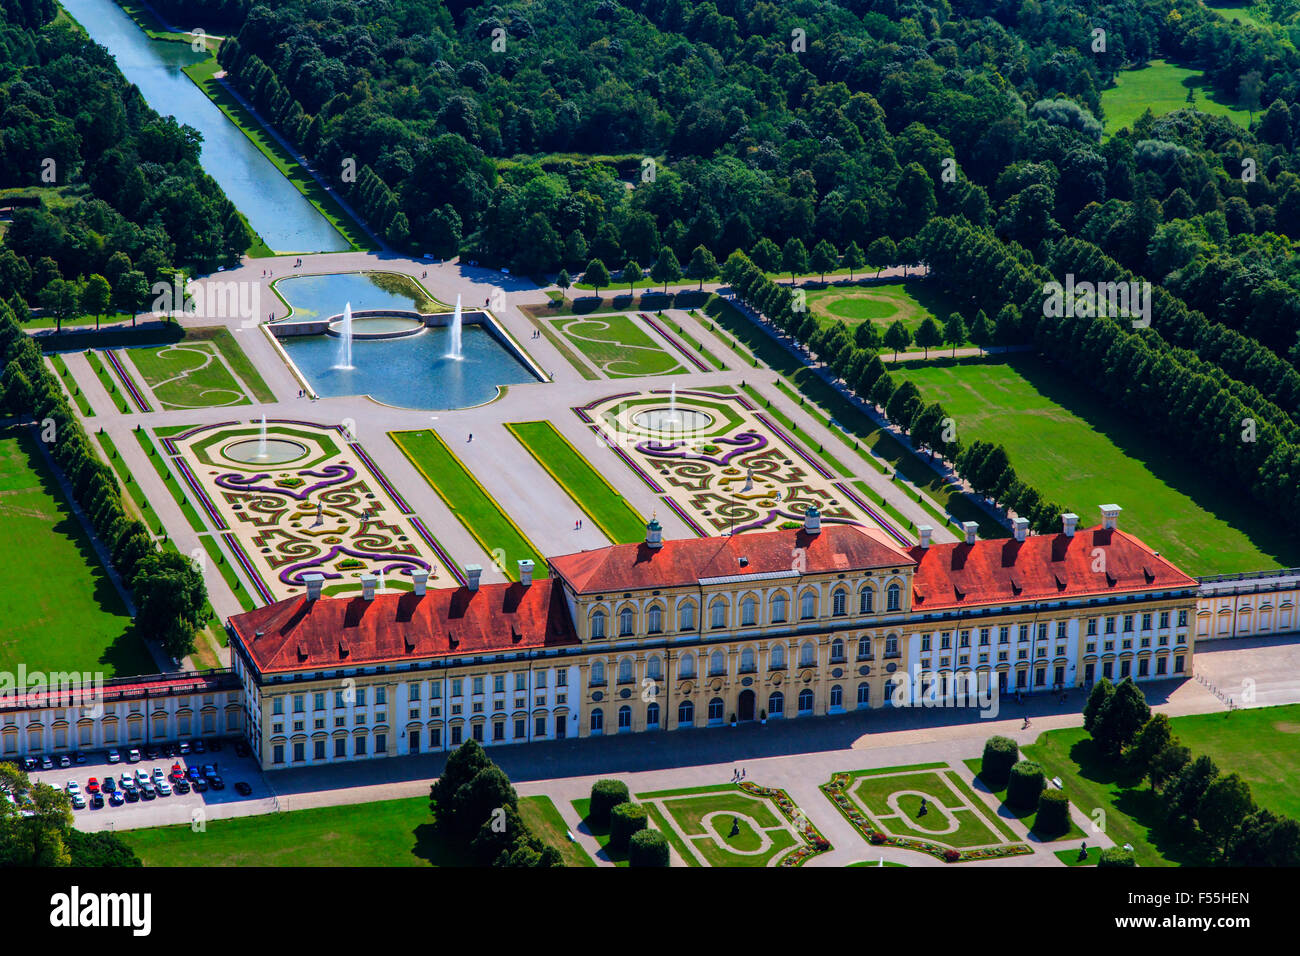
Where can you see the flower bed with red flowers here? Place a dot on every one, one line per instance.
(814, 842)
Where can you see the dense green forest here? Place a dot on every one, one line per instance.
(114, 192)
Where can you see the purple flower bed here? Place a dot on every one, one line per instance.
(438, 549)
(380, 477)
(330, 475)
(843, 488)
(399, 563)
(746, 442)
(126, 381)
(237, 550)
(200, 495)
(682, 349)
(677, 510)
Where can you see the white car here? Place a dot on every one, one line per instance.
(164, 788)
(78, 802)
(73, 787)
(114, 757)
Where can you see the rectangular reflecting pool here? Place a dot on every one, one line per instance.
(413, 371)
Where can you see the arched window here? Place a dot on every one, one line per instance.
(655, 620)
(715, 709)
(837, 650)
(778, 609)
(625, 671)
(717, 664)
(654, 669)
(894, 594)
(597, 672)
(805, 701)
(625, 622)
(747, 660)
(624, 719)
(778, 657)
(686, 617)
(864, 695)
(747, 609)
(598, 624)
(652, 715)
(807, 655)
(838, 600)
(597, 721)
(718, 612)
(685, 714)
(864, 648)
(837, 696)
(686, 668)
(807, 605)
(775, 704)
(867, 600)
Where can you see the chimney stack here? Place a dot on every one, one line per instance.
(420, 577)
(1069, 521)
(472, 573)
(368, 586)
(1110, 516)
(525, 572)
(654, 534)
(315, 581)
(924, 531)
(970, 527)
(812, 520)
(1020, 526)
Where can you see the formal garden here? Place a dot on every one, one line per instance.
(188, 375)
(295, 498)
(617, 346)
(925, 807)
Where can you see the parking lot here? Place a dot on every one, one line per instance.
(187, 808)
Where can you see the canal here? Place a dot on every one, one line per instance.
(280, 214)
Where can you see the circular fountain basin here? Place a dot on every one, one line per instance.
(378, 327)
(672, 420)
(276, 451)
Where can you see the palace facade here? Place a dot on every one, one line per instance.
(663, 635)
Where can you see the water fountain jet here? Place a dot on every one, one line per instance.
(345, 339)
(454, 348)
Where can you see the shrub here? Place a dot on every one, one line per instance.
(605, 796)
(1116, 856)
(1024, 785)
(951, 856)
(1053, 814)
(625, 820)
(1000, 755)
(647, 848)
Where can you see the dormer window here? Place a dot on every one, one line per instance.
(598, 624)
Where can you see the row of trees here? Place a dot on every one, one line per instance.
(47, 837)
(628, 824)
(1208, 809)
(477, 810)
(169, 592)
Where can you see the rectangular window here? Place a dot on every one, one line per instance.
(1092, 627)
(457, 687)
(478, 685)
(540, 680)
(413, 693)
(1110, 625)
(539, 727)
(361, 697)
(277, 706)
(945, 641)
(521, 682)
(521, 728)
(925, 643)
(1004, 634)
(435, 690)
(318, 700)
(340, 747)
(1146, 622)
(1042, 630)
(359, 746)
(277, 753)
(299, 704)
(477, 731)
(456, 735)
(1128, 622)
(381, 696)
(984, 636)
(965, 639)
(1060, 630)
(1178, 664)
(1182, 618)
(1024, 632)
(319, 750)
(561, 678)
(499, 683)
(1162, 664)
(498, 730)
(1143, 664)
(1164, 618)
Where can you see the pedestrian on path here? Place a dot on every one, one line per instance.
(471, 436)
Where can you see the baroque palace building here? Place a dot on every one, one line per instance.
(664, 635)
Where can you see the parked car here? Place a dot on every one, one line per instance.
(158, 774)
(115, 799)
(47, 763)
(147, 791)
(65, 762)
(178, 772)
(209, 771)
(29, 764)
(109, 785)
(78, 757)
(184, 748)
(128, 782)
(92, 785)
(73, 787)
(131, 796)
(181, 786)
(243, 789)
(96, 801)
(199, 747)
(164, 788)
(114, 757)
(194, 773)
(150, 753)
(200, 785)
(133, 756)
(169, 750)
(78, 802)
(141, 776)
(216, 783)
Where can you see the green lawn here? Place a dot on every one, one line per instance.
(131, 494)
(912, 302)
(469, 501)
(171, 481)
(1244, 10)
(854, 424)
(187, 375)
(1079, 452)
(601, 834)
(386, 833)
(589, 490)
(617, 346)
(70, 385)
(227, 571)
(60, 610)
(873, 793)
(1071, 857)
(1260, 743)
(689, 813)
(107, 380)
(1162, 88)
(541, 816)
(1024, 816)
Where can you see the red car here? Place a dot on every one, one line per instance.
(177, 771)
(92, 785)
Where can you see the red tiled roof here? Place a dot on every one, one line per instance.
(298, 634)
(1042, 567)
(682, 562)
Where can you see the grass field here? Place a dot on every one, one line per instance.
(1162, 88)
(70, 385)
(617, 346)
(541, 816)
(912, 302)
(1244, 10)
(600, 833)
(235, 357)
(1080, 453)
(61, 611)
(1260, 743)
(173, 485)
(874, 794)
(716, 843)
(469, 501)
(592, 493)
(187, 375)
(1027, 817)
(853, 423)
